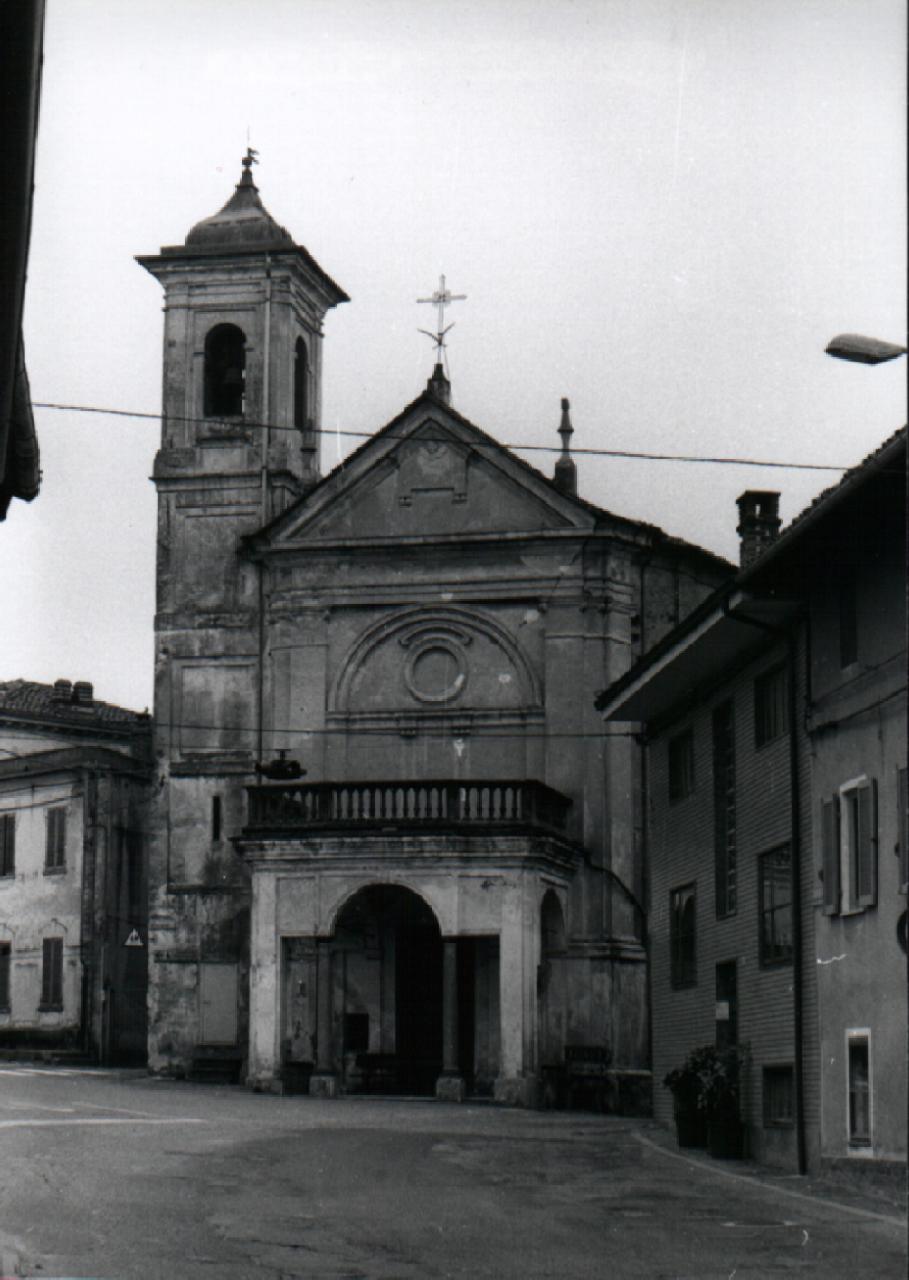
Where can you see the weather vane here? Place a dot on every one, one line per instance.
(442, 298)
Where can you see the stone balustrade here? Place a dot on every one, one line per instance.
(283, 808)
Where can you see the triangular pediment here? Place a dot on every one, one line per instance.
(428, 473)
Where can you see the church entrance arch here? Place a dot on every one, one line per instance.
(387, 962)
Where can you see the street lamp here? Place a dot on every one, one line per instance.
(854, 346)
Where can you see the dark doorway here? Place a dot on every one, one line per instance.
(390, 952)
(418, 997)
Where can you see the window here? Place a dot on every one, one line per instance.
(902, 826)
(55, 846)
(681, 766)
(301, 373)
(8, 844)
(724, 817)
(771, 705)
(727, 1019)
(682, 936)
(859, 1066)
(779, 1097)
(216, 818)
(225, 371)
(5, 958)
(52, 974)
(848, 614)
(776, 906)
(849, 848)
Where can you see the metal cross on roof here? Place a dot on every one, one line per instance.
(442, 298)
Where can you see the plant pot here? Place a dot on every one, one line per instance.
(690, 1127)
(725, 1137)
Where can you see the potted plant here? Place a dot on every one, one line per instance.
(684, 1083)
(720, 1090)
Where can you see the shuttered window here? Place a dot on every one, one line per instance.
(52, 973)
(55, 847)
(849, 839)
(8, 844)
(865, 859)
(5, 958)
(830, 836)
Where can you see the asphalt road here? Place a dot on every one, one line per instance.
(121, 1176)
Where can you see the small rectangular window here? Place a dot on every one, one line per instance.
(5, 960)
(55, 846)
(52, 974)
(859, 1090)
(779, 1097)
(8, 844)
(771, 705)
(776, 906)
(682, 936)
(681, 766)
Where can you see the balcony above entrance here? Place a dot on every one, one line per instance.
(510, 807)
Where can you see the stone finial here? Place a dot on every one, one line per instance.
(759, 523)
(565, 476)
(439, 386)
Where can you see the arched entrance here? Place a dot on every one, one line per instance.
(387, 955)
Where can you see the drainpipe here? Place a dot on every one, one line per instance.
(795, 862)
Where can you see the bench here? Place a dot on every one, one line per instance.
(587, 1075)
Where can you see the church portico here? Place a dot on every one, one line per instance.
(400, 962)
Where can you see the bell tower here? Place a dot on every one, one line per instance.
(244, 307)
(243, 312)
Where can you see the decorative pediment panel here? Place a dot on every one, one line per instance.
(433, 660)
(428, 473)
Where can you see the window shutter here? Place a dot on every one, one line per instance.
(866, 854)
(902, 794)
(830, 837)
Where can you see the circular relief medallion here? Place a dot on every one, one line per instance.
(436, 671)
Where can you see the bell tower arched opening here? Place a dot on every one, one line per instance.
(301, 385)
(225, 372)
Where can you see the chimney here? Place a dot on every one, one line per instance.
(759, 523)
(565, 476)
(83, 693)
(439, 386)
(63, 691)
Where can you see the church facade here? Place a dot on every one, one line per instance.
(393, 848)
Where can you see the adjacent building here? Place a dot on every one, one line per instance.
(391, 847)
(74, 787)
(775, 720)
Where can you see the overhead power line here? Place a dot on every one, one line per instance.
(634, 455)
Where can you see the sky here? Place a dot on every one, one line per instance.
(661, 209)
